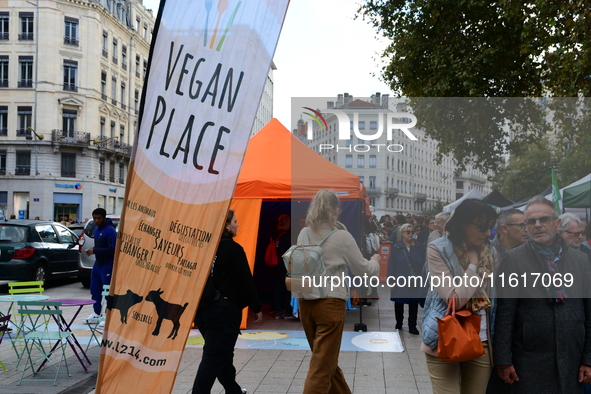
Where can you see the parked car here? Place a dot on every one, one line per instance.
(87, 242)
(77, 228)
(36, 250)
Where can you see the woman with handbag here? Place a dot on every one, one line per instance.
(406, 260)
(466, 253)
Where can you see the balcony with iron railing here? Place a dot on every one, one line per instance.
(70, 87)
(112, 178)
(68, 174)
(374, 191)
(71, 41)
(113, 144)
(22, 170)
(4, 83)
(25, 84)
(391, 192)
(4, 36)
(122, 181)
(103, 97)
(23, 133)
(137, 74)
(26, 37)
(115, 59)
(2, 171)
(105, 53)
(124, 66)
(102, 177)
(70, 137)
(420, 197)
(114, 101)
(123, 106)
(3, 132)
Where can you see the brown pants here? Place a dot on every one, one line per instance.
(323, 321)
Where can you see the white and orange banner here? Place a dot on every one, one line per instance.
(208, 66)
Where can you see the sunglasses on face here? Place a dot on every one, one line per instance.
(520, 225)
(407, 232)
(577, 234)
(483, 228)
(542, 219)
(433, 223)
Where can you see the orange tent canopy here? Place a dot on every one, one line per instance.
(277, 165)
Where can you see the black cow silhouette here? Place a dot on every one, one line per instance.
(167, 311)
(123, 302)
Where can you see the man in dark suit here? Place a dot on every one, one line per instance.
(542, 338)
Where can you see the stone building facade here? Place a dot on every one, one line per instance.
(71, 76)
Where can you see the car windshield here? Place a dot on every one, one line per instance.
(90, 227)
(11, 233)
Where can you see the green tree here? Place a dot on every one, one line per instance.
(437, 208)
(478, 48)
(532, 171)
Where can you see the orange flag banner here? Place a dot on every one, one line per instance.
(208, 66)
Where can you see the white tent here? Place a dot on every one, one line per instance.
(472, 194)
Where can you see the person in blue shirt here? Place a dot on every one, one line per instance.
(105, 239)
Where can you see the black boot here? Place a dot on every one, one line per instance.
(399, 313)
(413, 308)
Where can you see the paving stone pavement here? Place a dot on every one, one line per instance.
(258, 370)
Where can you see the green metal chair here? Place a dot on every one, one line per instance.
(29, 287)
(34, 353)
(4, 320)
(94, 324)
(26, 287)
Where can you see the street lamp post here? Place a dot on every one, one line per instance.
(97, 141)
(37, 137)
(513, 172)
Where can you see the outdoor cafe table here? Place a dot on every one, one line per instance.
(65, 326)
(16, 298)
(20, 297)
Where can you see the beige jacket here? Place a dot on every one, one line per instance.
(340, 251)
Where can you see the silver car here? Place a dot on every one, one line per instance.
(86, 241)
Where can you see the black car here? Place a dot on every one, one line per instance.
(37, 250)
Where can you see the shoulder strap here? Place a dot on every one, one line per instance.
(307, 238)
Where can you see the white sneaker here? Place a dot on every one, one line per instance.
(92, 317)
(244, 391)
(101, 323)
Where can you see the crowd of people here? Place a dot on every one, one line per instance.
(536, 337)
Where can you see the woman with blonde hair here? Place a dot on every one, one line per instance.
(323, 318)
